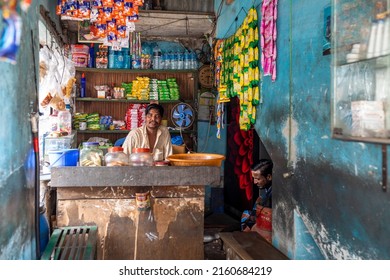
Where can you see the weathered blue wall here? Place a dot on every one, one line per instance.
(17, 91)
(328, 200)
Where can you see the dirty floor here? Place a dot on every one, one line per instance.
(215, 223)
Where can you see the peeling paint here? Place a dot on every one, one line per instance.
(290, 135)
(330, 247)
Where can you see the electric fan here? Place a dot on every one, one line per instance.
(182, 115)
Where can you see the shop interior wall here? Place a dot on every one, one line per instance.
(328, 200)
(18, 94)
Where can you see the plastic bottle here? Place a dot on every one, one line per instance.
(126, 58)
(386, 37)
(194, 61)
(186, 60)
(180, 61)
(163, 62)
(168, 60)
(174, 60)
(65, 122)
(379, 38)
(111, 58)
(91, 59)
(156, 57)
(83, 84)
(372, 40)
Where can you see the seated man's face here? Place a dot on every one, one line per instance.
(259, 179)
(153, 119)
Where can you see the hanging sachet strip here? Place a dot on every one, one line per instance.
(268, 34)
(240, 75)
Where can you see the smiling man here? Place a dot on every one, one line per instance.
(151, 135)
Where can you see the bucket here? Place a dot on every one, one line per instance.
(64, 158)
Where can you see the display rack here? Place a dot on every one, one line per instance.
(360, 71)
(187, 81)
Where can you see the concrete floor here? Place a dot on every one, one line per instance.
(215, 223)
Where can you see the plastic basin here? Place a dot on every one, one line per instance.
(196, 159)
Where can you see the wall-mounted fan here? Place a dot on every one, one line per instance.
(182, 115)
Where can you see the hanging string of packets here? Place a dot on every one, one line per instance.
(108, 19)
(11, 29)
(221, 98)
(239, 73)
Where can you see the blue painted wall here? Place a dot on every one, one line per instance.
(17, 92)
(332, 186)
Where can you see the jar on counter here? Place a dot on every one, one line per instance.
(116, 157)
(141, 157)
(91, 155)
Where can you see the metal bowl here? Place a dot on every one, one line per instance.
(196, 159)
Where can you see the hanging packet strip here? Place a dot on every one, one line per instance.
(10, 37)
(25, 4)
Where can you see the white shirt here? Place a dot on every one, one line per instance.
(138, 138)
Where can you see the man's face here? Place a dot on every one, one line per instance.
(259, 179)
(153, 119)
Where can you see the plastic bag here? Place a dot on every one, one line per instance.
(10, 36)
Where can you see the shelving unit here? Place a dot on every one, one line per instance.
(361, 71)
(187, 81)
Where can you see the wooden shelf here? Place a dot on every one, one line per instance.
(91, 99)
(187, 81)
(120, 131)
(136, 71)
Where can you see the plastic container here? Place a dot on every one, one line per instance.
(68, 157)
(80, 54)
(141, 157)
(116, 157)
(91, 155)
(196, 159)
(65, 122)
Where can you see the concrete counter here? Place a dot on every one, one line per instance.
(173, 226)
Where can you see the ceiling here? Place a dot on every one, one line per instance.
(167, 24)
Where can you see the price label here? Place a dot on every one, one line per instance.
(116, 47)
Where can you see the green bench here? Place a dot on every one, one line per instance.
(72, 243)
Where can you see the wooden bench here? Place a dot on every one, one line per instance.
(248, 246)
(72, 243)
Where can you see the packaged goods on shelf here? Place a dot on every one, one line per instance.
(80, 54)
(368, 119)
(93, 120)
(102, 90)
(135, 116)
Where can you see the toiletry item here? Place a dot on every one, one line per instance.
(372, 40)
(83, 83)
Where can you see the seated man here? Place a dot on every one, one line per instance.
(151, 135)
(260, 218)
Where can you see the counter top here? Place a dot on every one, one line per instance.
(68, 176)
